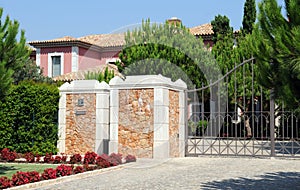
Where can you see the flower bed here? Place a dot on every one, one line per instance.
(90, 161)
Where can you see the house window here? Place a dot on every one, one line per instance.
(56, 66)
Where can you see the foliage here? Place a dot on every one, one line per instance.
(103, 161)
(78, 169)
(64, 170)
(106, 76)
(221, 27)
(29, 156)
(76, 158)
(116, 159)
(130, 158)
(5, 182)
(28, 118)
(13, 54)
(90, 158)
(8, 155)
(57, 160)
(169, 50)
(49, 173)
(249, 16)
(48, 158)
(21, 178)
(276, 47)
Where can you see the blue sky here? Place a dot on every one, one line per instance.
(43, 20)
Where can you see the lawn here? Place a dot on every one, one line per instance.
(8, 169)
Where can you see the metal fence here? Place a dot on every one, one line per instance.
(235, 116)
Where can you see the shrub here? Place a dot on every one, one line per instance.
(5, 182)
(20, 178)
(49, 173)
(103, 161)
(63, 170)
(76, 158)
(63, 158)
(90, 158)
(7, 155)
(29, 156)
(23, 118)
(78, 169)
(130, 158)
(89, 167)
(34, 176)
(57, 160)
(116, 158)
(38, 158)
(48, 158)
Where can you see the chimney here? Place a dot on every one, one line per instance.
(174, 20)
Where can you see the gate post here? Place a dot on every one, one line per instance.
(272, 122)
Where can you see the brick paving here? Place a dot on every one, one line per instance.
(195, 173)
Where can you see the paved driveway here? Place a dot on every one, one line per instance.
(195, 173)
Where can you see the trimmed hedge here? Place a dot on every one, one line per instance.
(28, 118)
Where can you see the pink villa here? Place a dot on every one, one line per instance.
(67, 58)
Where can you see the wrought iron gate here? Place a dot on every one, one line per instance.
(234, 116)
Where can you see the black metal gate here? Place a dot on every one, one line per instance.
(234, 116)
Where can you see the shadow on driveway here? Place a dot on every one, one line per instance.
(280, 180)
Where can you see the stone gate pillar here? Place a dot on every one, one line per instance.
(147, 116)
(83, 117)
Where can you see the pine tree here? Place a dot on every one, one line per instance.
(276, 46)
(13, 54)
(169, 50)
(249, 16)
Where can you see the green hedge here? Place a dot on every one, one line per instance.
(28, 118)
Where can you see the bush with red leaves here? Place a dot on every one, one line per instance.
(89, 167)
(29, 156)
(103, 161)
(90, 158)
(8, 155)
(78, 169)
(130, 158)
(49, 173)
(64, 158)
(34, 176)
(57, 160)
(5, 182)
(48, 158)
(116, 159)
(21, 178)
(76, 158)
(37, 158)
(63, 170)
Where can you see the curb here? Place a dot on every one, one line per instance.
(67, 178)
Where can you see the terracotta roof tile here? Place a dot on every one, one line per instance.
(62, 39)
(105, 40)
(204, 29)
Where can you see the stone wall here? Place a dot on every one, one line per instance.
(174, 123)
(80, 123)
(135, 131)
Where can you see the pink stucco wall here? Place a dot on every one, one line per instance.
(67, 58)
(90, 58)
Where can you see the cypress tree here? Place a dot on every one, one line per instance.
(249, 16)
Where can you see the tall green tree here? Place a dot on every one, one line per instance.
(249, 16)
(276, 47)
(221, 27)
(13, 53)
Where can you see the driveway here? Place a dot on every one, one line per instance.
(195, 173)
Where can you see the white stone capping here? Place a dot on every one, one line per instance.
(75, 56)
(61, 54)
(102, 100)
(38, 56)
(161, 149)
(84, 86)
(146, 81)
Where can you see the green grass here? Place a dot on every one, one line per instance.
(9, 169)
